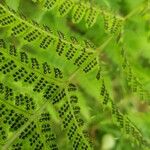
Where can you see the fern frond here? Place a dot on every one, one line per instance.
(65, 7)
(50, 4)
(28, 63)
(126, 126)
(112, 24)
(86, 12)
(35, 86)
(69, 112)
(30, 32)
(24, 69)
(78, 13)
(24, 118)
(91, 17)
(132, 79)
(50, 91)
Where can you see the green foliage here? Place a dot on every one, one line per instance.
(84, 11)
(57, 87)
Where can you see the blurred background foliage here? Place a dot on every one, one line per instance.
(136, 42)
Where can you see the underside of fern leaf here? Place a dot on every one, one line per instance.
(19, 110)
(84, 11)
(38, 66)
(45, 82)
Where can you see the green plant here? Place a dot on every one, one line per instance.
(48, 79)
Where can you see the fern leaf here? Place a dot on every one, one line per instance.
(84, 11)
(91, 17)
(31, 32)
(65, 7)
(50, 91)
(78, 13)
(24, 69)
(126, 126)
(35, 86)
(50, 4)
(18, 125)
(132, 79)
(112, 23)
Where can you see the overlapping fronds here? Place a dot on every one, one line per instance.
(30, 86)
(81, 11)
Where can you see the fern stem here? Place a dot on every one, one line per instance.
(73, 75)
(102, 47)
(22, 111)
